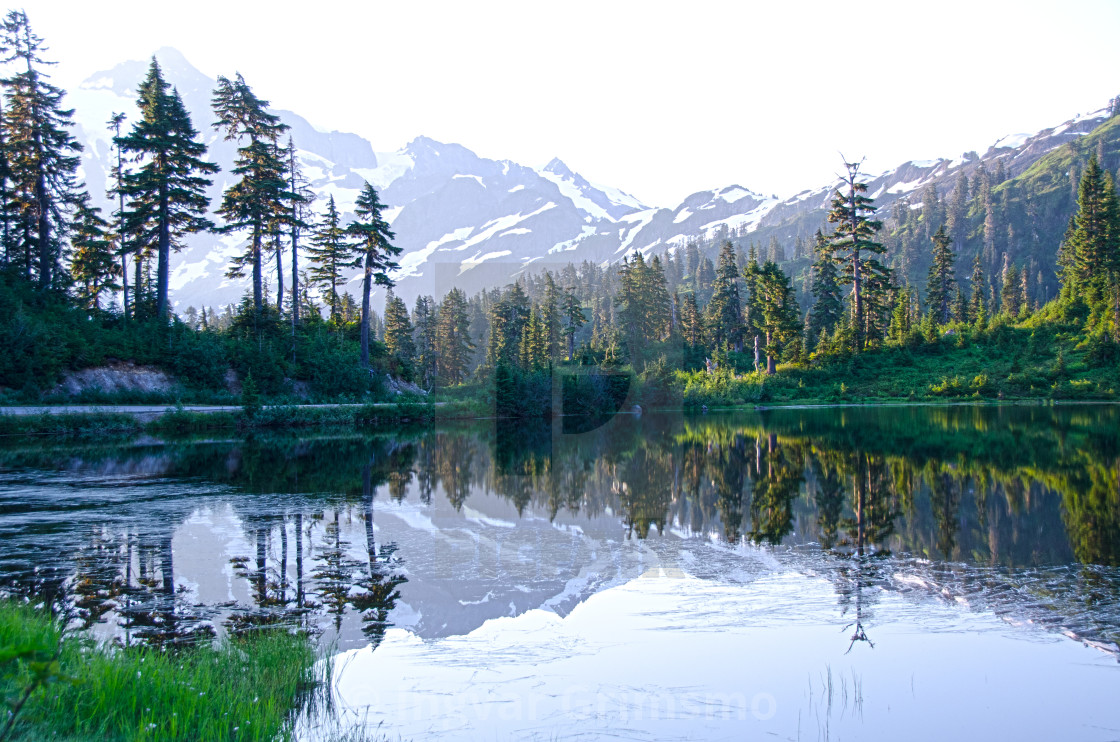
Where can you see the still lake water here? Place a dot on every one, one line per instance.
(888, 573)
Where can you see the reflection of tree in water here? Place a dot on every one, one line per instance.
(402, 456)
(99, 584)
(153, 612)
(776, 480)
(873, 503)
(851, 581)
(1092, 514)
(945, 501)
(334, 574)
(454, 457)
(828, 494)
(522, 459)
(377, 592)
(644, 490)
(727, 464)
(1038, 490)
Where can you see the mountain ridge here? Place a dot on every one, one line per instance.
(472, 222)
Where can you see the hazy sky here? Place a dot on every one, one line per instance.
(661, 99)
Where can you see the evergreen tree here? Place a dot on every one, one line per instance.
(692, 324)
(571, 312)
(642, 304)
(117, 189)
(398, 329)
(41, 153)
(533, 348)
(424, 322)
(780, 320)
(331, 253)
(659, 301)
(828, 307)
(260, 198)
(508, 318)
(976, 306)
(960, 305)
(724, 312)
(301, 198)
(550, 315)
(854, 241)
(375, 251)
(1091, 250)
(453, 338)
(705, 281)
(92, 262)
(167, 193)
(957, 216)
(348, 310)
(1011, 291)
(902, 316)
(939, 285)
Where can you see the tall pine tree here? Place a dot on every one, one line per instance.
(260, 198)
(398, 330)
(331, 253)
(939, 285)
(854, 241)
(453, 338)
(92, 262)
(167, 193)
(373, 247)
(828, 306)
(724, 317)
(42, 155)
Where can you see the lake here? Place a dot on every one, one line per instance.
(872, 573)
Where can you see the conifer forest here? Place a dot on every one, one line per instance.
(1002, 287)
(485, 451)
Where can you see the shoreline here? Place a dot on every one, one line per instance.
(36, 421)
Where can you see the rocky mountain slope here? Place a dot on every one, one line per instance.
(467, 221)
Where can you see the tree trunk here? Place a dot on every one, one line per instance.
(124, 252)
(1116, 312)
(124, 285)
(367, 498)
(163, 271)
(295, 248)
(299, 559)
(365, 307)
(138, 265)
(756, 353)
(279, 278)
(857, 292)
(46, 258)
(258, 291)
(770, 366)
(295, 283)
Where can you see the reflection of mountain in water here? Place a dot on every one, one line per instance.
(441, 529)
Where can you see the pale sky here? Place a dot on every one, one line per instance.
(660, 99)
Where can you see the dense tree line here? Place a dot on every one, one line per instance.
(727, 305)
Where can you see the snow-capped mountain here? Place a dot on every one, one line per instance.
(471, 222)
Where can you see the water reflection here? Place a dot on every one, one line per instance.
(1026, 496)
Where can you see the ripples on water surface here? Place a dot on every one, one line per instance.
(810, 574)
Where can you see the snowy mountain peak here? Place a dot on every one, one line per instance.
(126, 76)
(557, 166)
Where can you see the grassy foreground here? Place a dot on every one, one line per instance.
(244, 689)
